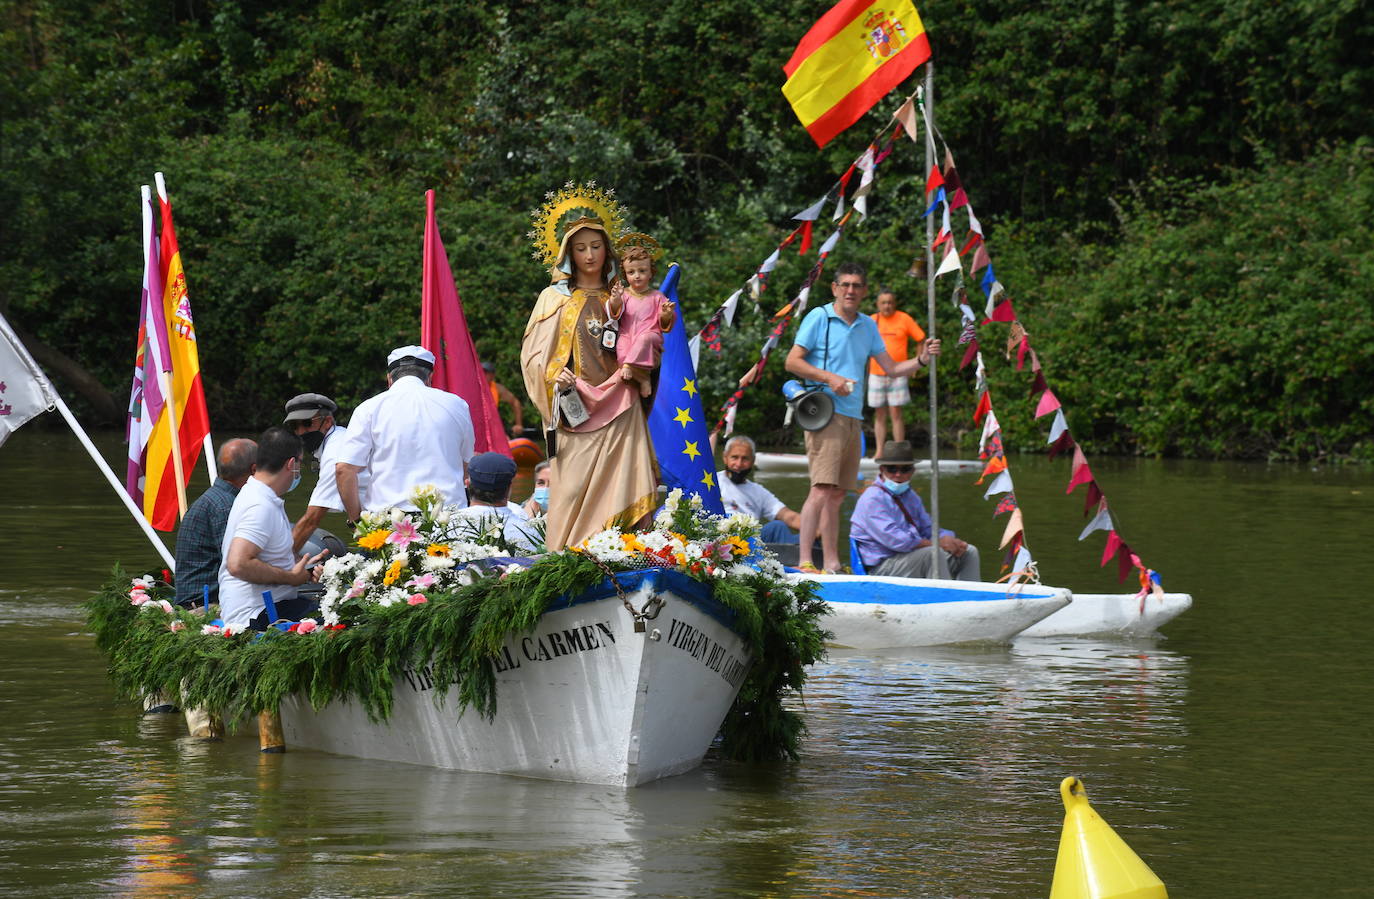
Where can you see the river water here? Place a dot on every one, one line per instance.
(1231, 753)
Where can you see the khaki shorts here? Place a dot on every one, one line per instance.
(833, 452)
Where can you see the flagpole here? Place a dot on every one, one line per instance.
(938, 562)
(114, 482)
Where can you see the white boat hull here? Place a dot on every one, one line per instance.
(582, 697)
(1111, 613)
(872, 612)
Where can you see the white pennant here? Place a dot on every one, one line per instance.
(966, 313)
(1023, 559)
(973, 224)
(731, 305)
(830, 242)
(865, 164)
(1000, 484)
(694, 349)
(812, 212)
(839, 208)
(770, 262)
(950, 263)
(944, 222)
(802, 297)
(730, 419)
(755, 287)
(1102, 521)
(1058, 427)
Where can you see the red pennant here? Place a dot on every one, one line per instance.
(1113, 544)
(969, 354)
(1021, 353)
(1003, 312)
(974, 239)
(1039, 385)
(806, 238)
(1094, 496)
(1125, 561)
(844, 179)
(1082, 474)
(1007, 503)
(952, 181)
(993, 447)
(984, 406)
(934, 179)
(1062, 445)
(958, 199)
(944, 236)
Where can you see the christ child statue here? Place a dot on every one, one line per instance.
(647, 314)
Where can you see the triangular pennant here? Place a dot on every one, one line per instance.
(1014, 527)
(731, 306)
(973, 241)
(996, 465)
(1003, 312)
(980, 256)
(1125, 561)
(1102, 521)
(1000, 484)
(1058, 426)
(994, 445)
(1094, 497)
(989, 279)
(839, 208)
(990, 430)
(1062, 445)
(770, 263)
(1038, 384)
(973, 223)
(1023, 559)
(830, 242)
(969, 354)
(1081, 474)
(906, 114)
(1113, 544)
(950, 263)
(1006, 504)
(939, 198)
(812, 212)
(805, 237)
(958, 198)
(984, 406)
(1048, 403)
(934, 179)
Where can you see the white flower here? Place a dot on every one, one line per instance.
(696, 501)
(443, 516)
(396, 515)
(420, 494)
(436, 563)
(372, 569)
(655, 540)
(674, 497)
(146, 582)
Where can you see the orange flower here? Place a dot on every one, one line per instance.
(373, 540)
(438, 549)
(393, 572)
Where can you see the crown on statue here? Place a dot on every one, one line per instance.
(639, 239)
(574, 205)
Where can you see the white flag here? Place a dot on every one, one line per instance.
(25, 391)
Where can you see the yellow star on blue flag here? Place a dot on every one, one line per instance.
(677, 422)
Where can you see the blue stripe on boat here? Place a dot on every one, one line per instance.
(836, 592)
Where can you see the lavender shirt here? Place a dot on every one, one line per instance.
(881, 530)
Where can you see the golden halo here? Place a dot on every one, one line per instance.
(584, 200)
(639, 239)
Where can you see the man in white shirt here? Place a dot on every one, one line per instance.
(739, 494)
(489, 479)
(311, 417)
(411, 434)
(257, 540)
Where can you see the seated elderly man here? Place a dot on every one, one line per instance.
(892, 529)
(740, 494)
(488, 487)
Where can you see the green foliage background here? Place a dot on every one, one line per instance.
(1177, 195)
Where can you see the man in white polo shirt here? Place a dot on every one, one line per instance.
(410, 434)
(257, 540)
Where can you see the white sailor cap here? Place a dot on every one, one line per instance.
(411, 354)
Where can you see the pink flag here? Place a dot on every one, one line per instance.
(444, 332)
(1048, 403)
(1082, 474)
(1113, 544)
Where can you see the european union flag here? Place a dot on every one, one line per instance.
(677, 421)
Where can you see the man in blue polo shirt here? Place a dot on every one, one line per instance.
(832, 348)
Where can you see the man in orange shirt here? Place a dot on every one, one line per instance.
(889, 395)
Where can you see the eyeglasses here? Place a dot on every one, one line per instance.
(898, 470)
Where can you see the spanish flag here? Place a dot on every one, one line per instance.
(160, 496)
(851, 59)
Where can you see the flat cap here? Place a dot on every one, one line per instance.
(305, 406)
(491, 471)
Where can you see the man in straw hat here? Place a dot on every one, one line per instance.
(409, 435)
(892, 529)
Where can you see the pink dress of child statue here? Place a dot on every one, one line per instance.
(646, 314)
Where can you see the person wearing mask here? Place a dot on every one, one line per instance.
(740, 494)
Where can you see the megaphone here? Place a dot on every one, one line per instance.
(812, 407)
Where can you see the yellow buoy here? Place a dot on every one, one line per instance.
(1093, 862)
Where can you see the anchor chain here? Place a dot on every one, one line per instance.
(652, 606)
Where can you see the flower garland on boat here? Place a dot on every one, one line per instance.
(441, 591)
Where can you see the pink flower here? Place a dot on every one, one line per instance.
(421, 580)
(356, 590)
(165, 606)
(176, 626)
(306, 625)
(137, 597)
(416, 599)
(403, 534)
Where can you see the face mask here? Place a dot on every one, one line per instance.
(541, 496)
(312, 440)
(738, 477)
(896, 488)
(295, 481)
